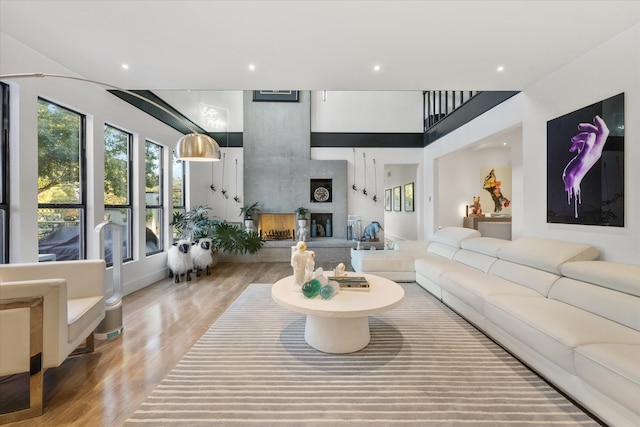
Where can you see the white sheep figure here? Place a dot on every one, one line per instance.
(179, 260)
(201, 256)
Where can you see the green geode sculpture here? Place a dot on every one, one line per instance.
(311, 289)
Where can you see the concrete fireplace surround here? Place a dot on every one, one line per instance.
(277, 161)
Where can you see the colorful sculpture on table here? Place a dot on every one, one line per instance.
(476, 208)
(371, 231)
(492, 185)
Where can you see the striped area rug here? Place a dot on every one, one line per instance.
(424, 366)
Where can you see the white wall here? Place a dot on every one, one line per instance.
(607, 70)
(353, 111)
(401, 225)
(100, 107)
(343, 111)
(460, 179)
(199, 185)
(357, 202)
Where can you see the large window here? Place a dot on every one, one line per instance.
(154, 178)
(178, 187)
(4, 173)
(118, 207)
(61, 182)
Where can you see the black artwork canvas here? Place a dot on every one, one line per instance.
(585, 165)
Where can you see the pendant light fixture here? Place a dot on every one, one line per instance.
(193, 147)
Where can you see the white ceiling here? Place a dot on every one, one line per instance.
(307, 45)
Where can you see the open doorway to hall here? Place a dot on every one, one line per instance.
(475, 185)
(401, 201)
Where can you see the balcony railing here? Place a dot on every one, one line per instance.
(440, 103)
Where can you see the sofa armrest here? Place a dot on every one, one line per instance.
(54, 292)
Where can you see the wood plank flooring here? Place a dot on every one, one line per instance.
(162, 322)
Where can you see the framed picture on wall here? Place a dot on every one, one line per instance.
(397, 198)
(408, 197)
(275, 96)
(585, 165)
(387, 199)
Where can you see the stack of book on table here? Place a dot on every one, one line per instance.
(351, 283)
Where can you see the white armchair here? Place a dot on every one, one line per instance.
(46, 311)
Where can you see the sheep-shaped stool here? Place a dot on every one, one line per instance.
(179, 260)
(201, 256)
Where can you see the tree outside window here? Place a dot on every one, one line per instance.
(61, 181)
(117, 188)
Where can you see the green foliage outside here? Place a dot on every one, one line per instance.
(116, 166)
(59, 138)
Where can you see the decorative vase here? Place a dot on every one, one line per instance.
(314, 228)
(327, 228)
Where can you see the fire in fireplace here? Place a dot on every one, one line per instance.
(277, 226)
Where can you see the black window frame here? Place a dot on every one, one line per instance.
(129, 206)
(82, 207)
(4, 173)
(160, 205)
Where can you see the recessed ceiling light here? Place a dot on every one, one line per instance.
(125, 66)
(252, 67)
(376, 68)
(500, 69)
(504, 143)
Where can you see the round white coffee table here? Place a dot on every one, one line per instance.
(341, 324)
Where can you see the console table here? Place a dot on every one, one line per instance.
(489, 226)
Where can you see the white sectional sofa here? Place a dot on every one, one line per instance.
(573, 319)
(398, 263)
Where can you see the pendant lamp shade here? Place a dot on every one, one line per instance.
(196, 147)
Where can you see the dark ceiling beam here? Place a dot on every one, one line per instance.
(156, 112)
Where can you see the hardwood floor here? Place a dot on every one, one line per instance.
(161, 323)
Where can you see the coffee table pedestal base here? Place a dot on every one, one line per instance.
(337, 334)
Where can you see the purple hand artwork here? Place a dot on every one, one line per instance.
(588, 144)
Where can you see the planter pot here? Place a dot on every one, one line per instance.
(248, 225)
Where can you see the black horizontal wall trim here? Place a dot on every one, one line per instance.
(380, 140)
(476, 106)
(227, 139)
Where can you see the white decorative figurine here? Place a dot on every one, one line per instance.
(302, 230)
(299, 260)
(339, 270)
(310, 266)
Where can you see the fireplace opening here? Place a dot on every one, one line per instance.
(277, 226)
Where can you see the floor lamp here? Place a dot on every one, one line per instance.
(193, 147)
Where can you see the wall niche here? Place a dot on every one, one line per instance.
(321, 225)
(321, 190)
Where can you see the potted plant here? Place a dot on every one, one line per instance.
(196, 224)
(302, 212)
(249, 212)
(302, 222)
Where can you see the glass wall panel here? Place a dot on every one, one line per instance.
(154, 179)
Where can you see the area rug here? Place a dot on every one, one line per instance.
(424, 366)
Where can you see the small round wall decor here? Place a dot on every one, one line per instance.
(321, 194)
